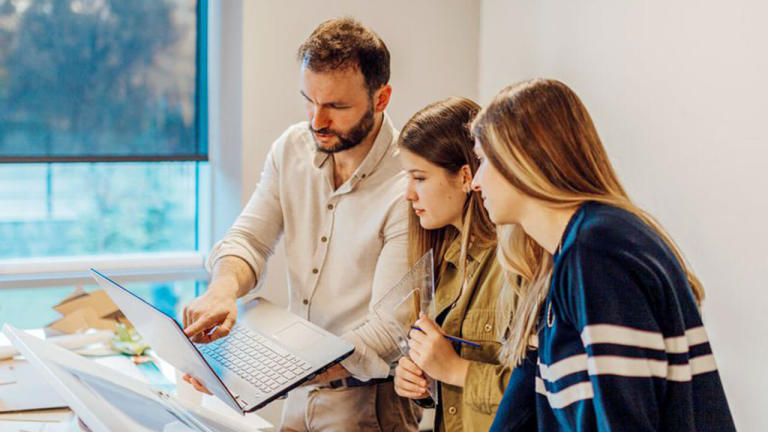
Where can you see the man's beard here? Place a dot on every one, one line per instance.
(355, 136)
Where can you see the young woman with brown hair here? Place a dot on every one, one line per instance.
(607, 296)
(448, 217)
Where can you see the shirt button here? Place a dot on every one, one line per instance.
(305, 301)
(324, 239)
(451, 410)
(330, 206)
(488, 327)
(363, 176)
(314, 271)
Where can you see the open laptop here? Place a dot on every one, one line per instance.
(268, 352)
(108, 400)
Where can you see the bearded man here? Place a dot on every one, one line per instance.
(333, 187)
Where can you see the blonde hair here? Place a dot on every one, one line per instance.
(541, 138)
(440, 134)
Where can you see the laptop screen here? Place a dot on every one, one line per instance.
(166, 337)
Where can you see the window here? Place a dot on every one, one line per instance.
(61, 209)
(102, 80)
(103, 130)
(169, 297)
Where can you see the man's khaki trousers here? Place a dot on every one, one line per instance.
(369, 408)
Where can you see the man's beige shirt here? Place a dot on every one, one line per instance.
(345, 247)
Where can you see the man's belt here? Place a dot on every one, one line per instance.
(354, 382)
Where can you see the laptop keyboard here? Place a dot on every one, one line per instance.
(255, 359)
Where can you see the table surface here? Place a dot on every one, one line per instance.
(64, 420)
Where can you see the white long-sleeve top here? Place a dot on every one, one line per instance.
(345, 247)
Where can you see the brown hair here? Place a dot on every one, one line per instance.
(541, 138)
(440, 134)
(342, 43)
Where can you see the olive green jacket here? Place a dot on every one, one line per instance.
(473, 317)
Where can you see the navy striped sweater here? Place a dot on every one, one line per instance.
(621, 342)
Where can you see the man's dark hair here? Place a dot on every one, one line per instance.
(343, 42)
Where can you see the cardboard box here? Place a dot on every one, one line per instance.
(83, 310)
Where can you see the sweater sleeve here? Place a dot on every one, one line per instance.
(517, 409)
(611, 301)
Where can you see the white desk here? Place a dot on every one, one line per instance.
(64, 420)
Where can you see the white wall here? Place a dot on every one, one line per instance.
(679, 93)
(225, 131)
(433, 46)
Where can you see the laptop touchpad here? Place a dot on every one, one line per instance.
(298, 336)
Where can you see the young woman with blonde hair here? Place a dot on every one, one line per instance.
(607, 296)
(449, 218)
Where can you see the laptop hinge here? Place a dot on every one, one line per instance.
(240, 402)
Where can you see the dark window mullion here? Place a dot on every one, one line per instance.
(80, 159)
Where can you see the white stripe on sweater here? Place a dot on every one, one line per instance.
(627, 336)
(566, 366)
(566, 396)
(628, 367)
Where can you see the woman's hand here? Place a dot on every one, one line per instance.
(435, 355)
(409, 380)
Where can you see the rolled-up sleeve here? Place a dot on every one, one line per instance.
(375, 349)
(256, 231)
